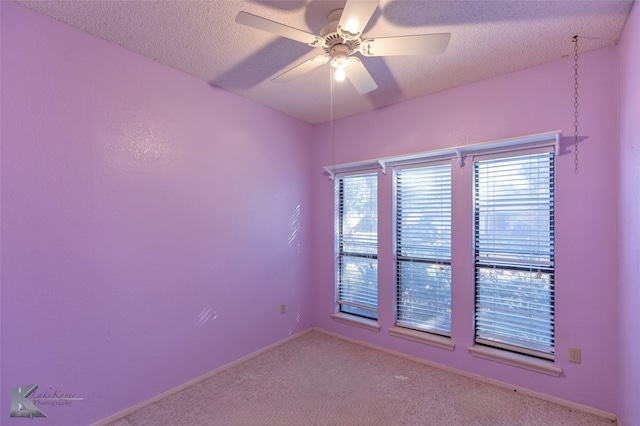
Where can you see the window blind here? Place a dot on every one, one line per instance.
(514, 251)
(357, 238)
(423, 248)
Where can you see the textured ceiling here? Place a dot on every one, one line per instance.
(201, 38)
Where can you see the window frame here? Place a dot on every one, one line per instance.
(465, 154)
(356, 313)
(520, 266)
(439, 261)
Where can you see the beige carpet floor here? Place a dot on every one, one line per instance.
(318, 379)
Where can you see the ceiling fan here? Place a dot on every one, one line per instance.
(341, 38)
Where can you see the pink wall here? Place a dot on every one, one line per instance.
(532, 101)
(151, 224)
(126, 242)
(629, 367)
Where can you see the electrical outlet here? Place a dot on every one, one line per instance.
(283, 309)
(575, 355)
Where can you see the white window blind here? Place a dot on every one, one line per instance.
(423, 248)
(357, 240)
(514, 249)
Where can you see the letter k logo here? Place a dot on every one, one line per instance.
(21, 406)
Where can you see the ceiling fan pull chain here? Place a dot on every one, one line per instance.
(333, 129)
(575, 104)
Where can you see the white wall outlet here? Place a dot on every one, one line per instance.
(575, 355)
(283, 309)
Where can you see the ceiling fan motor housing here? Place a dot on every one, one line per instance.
(333, 19)
(333, 38)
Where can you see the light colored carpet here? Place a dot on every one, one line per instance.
(318, 379)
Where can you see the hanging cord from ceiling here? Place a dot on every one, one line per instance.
(575, 103)
(333, 129)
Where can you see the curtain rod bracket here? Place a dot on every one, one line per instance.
(459, 155)
(332, 173)
(383, 166)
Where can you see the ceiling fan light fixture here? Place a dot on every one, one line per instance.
(340, 56)
(339, 60)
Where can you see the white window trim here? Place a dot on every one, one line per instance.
(520, 357)
(367, 323)
(549, 139)
(404, 330)
(517, 360)
(423, 337)
(344, 317)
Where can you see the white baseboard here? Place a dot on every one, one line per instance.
(539, 395)
(157, 398)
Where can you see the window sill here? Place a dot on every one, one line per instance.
(354, 320)
(422, 337)
(516, 360)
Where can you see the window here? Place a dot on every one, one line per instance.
(514, 253)
(423, 248)
(357, 244)
(513, 246)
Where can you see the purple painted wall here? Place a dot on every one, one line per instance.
(532, 101)
(140, 213)
(150, 231)
(629, 292)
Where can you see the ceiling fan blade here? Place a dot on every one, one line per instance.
(423, 44)
(300, 69)
(277, 28)
(356, 15)
(359, 76)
